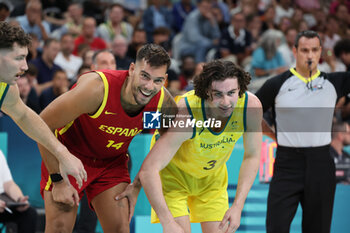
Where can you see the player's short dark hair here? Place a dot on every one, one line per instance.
(10, 34)
(154, 55)
(308, 34)
(219, 70)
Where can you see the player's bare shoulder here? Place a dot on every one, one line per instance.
(12, 97)
(254, 113)
(253, 101)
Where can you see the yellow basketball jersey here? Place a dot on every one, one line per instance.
(3, 90)
(208, 150)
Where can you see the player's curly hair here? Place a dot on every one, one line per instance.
(10, 34)
(154, 54)
(219, 70)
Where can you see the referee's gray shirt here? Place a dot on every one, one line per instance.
(303, 110)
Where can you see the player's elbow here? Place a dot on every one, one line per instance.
(146, 172)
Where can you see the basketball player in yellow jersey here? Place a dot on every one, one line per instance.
(14, 44)
(186, 168)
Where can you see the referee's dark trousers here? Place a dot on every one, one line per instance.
(305, 176)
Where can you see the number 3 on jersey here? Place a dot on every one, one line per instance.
(112, 144)
(211, 165)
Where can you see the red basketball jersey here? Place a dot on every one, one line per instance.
(110, 130)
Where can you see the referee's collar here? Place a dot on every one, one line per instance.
(302, 78)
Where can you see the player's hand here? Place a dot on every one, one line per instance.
(23, 199)
(65, 193)
(172, 227)
(71, 165)
(131, 192)
(231, 220)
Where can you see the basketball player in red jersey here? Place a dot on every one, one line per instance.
(96, 121)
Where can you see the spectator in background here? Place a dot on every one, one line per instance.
(119, 50)
(187, 69)
(284, 24)
(297, 17)
(115, 25)
(236, 40)
(286, 49)
(66, 59)
(343, 18)
(198, 71)
(340, 139)
(103, 60)
(303, 26)
(4, 11)
(139, 38)
(87, 57)
(32, 74)
(321, 21)
(200, 32)
(88, 36)
(156, 16)
(266, 60)
(342, 52)
(268, 19)
(60, 85)
(75, 20)
(284, 8)
(335, 3)
(180, 11)
(32, 21)
(54, 12)
(225, 11)
(24, 216)
(28, 94)
(331, 33)
(255, 29)
(161, 36)
(219, 17)
(45, 63)
(33, 49)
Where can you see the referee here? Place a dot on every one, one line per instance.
(302, 100)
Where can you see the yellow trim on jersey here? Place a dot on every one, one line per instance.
(161, 99)
(64, 129)
(48, 184)
(302, 78)
(105, 96)
(3, 90)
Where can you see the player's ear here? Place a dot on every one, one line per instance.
(131, 68)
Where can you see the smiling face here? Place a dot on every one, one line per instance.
(146, 81)
(223, 97)
(13, 63)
